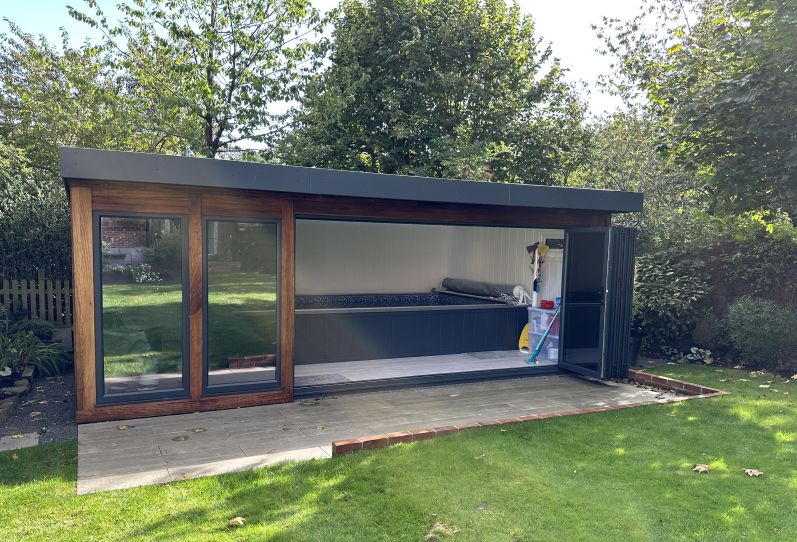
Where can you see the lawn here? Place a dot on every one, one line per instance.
(623, 475)
(143, 334)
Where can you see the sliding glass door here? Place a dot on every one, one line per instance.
(241, 305)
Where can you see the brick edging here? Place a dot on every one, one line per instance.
(672, 384)
(371, 442)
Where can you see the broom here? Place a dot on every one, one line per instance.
(533, 357)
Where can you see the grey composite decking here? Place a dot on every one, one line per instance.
(164, 449)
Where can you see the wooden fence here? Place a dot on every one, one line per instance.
(41, 298)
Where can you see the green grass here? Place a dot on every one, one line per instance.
(622, 475)
(142, 323)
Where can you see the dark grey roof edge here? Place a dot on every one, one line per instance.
(101, 165)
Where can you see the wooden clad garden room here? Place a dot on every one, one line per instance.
(212, 284)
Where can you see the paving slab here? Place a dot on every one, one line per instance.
(15, 442)
(167, 448)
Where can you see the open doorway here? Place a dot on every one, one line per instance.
(379, 301)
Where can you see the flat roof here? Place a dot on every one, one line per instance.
(100, 165)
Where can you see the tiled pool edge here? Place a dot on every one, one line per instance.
(686, 390)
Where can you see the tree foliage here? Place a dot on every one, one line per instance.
(720, 77)
(622, 155)
(50, 96)
(458, 88)
(213, 69)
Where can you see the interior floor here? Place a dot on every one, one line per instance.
(317, 374)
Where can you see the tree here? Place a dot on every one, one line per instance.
(51, 96)
(719, 76)
(459, 88)
(222, 64)
(623, 155)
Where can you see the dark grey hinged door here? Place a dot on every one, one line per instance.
(620, 293)
(596, 301)
(584, 300)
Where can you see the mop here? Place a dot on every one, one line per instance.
(533, 357)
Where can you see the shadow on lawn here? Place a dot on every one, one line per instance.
(283, 499)
(43, 462)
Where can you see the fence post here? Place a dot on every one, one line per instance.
(6, 300)
(67, 303)
(14, 295)
(25, 291)
(40, 294)
(49, 301)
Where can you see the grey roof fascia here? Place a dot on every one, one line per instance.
(99, 165)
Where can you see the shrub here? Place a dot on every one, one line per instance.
(165, 255)
(50, 359)
(144, 274)
(41, 329)
(763, 334)
(666, 295)
(752, 257)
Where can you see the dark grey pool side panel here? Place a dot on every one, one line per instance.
(326, 336)
(92, 164)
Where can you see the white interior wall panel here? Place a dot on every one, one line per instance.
(338, 257)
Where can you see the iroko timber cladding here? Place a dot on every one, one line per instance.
(88, 197)
(198, 204)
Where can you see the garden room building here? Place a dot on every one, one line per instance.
(206, 284)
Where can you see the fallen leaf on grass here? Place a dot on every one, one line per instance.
(440, 529)
(480, 456)
(14, 457)
(237, 521)
(753, 472)
(701, 468)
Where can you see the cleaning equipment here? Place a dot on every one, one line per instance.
(523, 341)
(536, 252)
(533, 357)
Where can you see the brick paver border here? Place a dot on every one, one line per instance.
(686, 389)
(671, 384)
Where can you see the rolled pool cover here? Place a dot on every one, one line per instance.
(474, 287)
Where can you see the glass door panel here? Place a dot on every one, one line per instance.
(242, 302)
(141, 342)
(584, 300)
